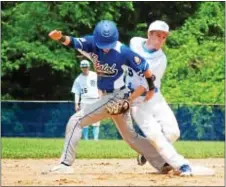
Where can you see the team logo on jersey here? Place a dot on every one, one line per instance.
(137, 60)
(105, 70)
(94, 58)
(92, 82)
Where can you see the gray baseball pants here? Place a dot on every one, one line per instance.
(96, 113)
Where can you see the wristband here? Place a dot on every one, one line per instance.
(62, 39)
(150, 81)
(65, 40)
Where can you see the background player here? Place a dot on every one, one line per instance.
(86, 93)
(109, 56)
(155, 118)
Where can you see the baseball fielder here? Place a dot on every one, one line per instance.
(86, 93)
(154, 117)
(109, 57)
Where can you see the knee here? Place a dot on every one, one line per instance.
(171, 129)
(74, 119)
(173, 135)
(129, 136)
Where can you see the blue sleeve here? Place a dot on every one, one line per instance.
(133, 60)
(85, 43)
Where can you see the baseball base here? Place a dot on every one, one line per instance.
(198, 170)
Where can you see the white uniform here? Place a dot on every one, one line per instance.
(85, 88)
(154, 117)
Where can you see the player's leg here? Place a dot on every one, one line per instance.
(156, 161)
(167, 120)
(85, 132)
(74, 129)
(96, 130)
(138, 143)
(165, 116)
(152, 129)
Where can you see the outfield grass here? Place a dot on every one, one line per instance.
(51, 148)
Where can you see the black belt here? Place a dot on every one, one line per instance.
(113, 90)
(144, 94)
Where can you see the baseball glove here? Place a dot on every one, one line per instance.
(116, 107)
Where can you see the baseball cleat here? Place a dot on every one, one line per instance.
(141, 160)
(185, 170)
(166, 168)
(61, 168)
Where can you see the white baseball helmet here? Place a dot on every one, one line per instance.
(158, 25)
(84, 64)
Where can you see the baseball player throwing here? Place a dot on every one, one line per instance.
(154, 117)
(109, 57)
(86, 93)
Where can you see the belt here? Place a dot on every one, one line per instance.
(144, 94)
(112, 90)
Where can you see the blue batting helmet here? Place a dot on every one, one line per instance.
(106, 34)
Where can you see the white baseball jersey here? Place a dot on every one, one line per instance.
(157, 63)
(85, 86)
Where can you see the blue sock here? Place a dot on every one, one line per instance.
(96, 130)
(85, 132)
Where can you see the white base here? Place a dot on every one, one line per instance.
(198, 170)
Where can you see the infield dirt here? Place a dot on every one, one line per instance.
(103, 172)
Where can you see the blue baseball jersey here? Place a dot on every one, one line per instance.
(110, 66)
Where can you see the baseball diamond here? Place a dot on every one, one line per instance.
(147, 78)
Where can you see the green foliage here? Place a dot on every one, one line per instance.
(35, 67)
(108, 130)
(195, 72)
(26, 46)
(51, 148)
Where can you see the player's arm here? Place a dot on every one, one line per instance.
(58, 36)
(136, 93)
(160, 67)
(136, 83)
(139, 64)
(100, 93)
(77, 95)
(84, 43)
(77, 102)
(150, 80)
(141, 89)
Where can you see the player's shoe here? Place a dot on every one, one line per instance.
(141, 160)
(61, 169)
(166, 168)
(185, 170)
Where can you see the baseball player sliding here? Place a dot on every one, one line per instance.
(109, 57)
(154, 117)
(86, 93)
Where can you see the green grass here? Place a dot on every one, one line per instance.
(51, 148)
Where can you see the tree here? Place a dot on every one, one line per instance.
(34, 67)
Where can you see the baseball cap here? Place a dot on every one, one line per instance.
(158, 25)
(106, 34)
(84, 64)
